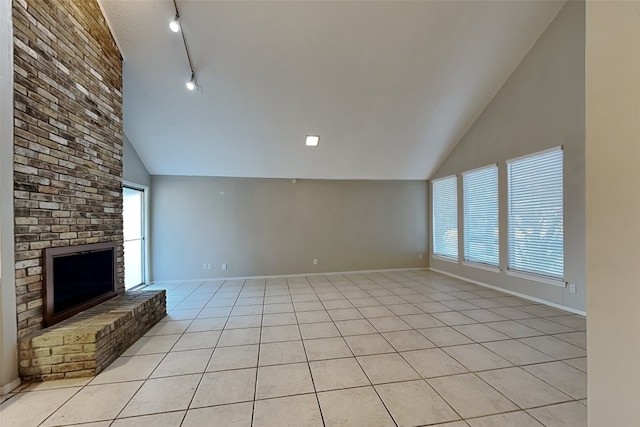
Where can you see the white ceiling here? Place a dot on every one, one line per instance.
(390, 87)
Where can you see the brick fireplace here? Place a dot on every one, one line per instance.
(68, 140)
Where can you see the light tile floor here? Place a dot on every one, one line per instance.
(399, 348)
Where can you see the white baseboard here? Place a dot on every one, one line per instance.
(517, 294)
(7, 388)
(158, 282)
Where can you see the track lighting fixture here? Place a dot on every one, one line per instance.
(191, 84)
(174, 25)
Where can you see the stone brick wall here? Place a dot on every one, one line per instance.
(68, 139)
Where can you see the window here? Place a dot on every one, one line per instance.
(536, 225)
(445, 217)
(481, 232)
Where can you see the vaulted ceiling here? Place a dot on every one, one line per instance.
(390, 87)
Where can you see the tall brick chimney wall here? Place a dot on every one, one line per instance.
(68, 140)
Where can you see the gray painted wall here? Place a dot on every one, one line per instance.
(273, 226)
(133, 168)
(542, 105)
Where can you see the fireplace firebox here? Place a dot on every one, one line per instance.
(77, 278)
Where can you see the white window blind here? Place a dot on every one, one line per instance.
(445, 217)
(536, 225)
(481, 228)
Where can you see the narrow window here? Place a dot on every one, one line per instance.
(536, 217)
(481, 228)
(445, 217)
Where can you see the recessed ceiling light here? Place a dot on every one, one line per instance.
(312, 141)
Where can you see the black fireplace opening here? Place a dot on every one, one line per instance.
(77, 278)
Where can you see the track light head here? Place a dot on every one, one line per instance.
(174, 24)
(191, 84)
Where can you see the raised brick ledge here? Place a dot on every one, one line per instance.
(88, 342)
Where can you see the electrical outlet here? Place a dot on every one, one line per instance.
(572, 288)
(208, 266)
(420, 256)
(315, 261)
(204, 266)
(224, 266)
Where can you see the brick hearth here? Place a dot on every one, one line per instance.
(88, 342)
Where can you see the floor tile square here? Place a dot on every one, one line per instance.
(522, 388)
(336, 304)
(215, 312)
(579, 339)
(91, 403)
(578, 323)
(308, 306)
(375, 311)
(554, 347)
(514, 329)
(312, 317)
(166, 419)
(169, 328)
(355, 407)
(183, 362)
(280, 333)
(415, 403)
(239, 337)
(570, 414)
(422, 320)
(386, 368)
(470, 396)
(546, 326)
(219, 388)
(355, 327)
(207, 324)
(246, 310)
(241, 322)
(453, 318)
(283, 380)
(319, 330)
(345, 314)
(327, 348)
(432, 307)
(408, 340)
(197, 340)
(279, 319)
(389, 324)
(562, 376)
(516, 352)
(278, 412)
(362, 345)
(152, 344)
(480, 333)
(483, 315)
(337, 373)
(278, 353)
(476, 358)
(403, 309)
(153, 397)
(519, 419)
(278, 308)
(30, 409)
(129, 369)
(234, 415)
(433, 363)
(236, 357)
(445, 336)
